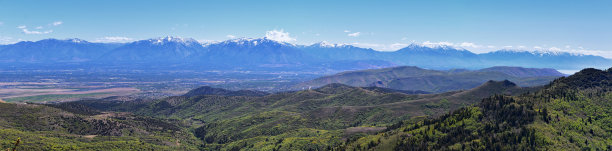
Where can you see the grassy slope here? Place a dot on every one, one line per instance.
(291, 118)
(47, 128)
(570, 114)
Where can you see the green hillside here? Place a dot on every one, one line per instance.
(311, 119)
(571, 113)
(46, 128)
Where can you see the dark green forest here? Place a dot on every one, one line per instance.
(571, 113)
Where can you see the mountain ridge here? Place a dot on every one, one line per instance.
(415, 78)
(263, 52)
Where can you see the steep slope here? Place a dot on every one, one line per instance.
(414, 78)
(571, 113)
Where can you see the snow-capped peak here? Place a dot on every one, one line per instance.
(325, 44)
(253, 42)
(540, 52)
(167, 39)
(443, 46)
(76, 40)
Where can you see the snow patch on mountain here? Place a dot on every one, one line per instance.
(170, 39)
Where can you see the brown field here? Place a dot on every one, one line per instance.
(26, 83)
(13, 93)
(45, 95)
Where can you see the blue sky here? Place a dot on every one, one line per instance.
(479, 26)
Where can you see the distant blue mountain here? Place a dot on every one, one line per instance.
(440, 57)
(267, 53)
(327, 51)
(54, 50)
(260, 52)
(161, 50)
(557, 60)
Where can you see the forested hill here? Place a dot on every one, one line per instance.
(316, 119)
(571, 113)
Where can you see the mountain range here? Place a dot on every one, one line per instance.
(267, 53)
(415, 78)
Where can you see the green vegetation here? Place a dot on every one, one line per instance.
(571, 113)
(318, 119)
(46, 128)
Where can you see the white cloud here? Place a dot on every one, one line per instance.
(114, 39)
(606, 54)
(346, 31)
(404, 38)
(279, 35)
(25, 30)
(397, 46)
(57, 23)
(230, 36)
(537, 48)
(469, 44)
(554, 49)
(356, 34)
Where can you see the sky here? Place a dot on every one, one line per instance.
(478, 26)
